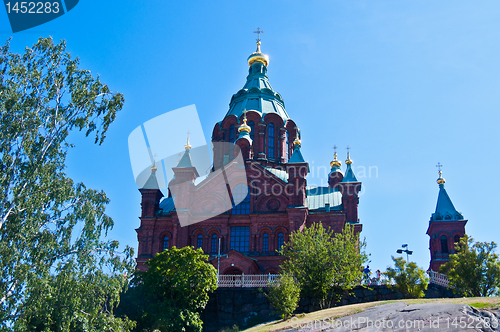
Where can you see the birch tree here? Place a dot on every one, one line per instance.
(57, 271)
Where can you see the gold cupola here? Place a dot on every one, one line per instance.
(297, 141)
(441, 180)
(348, 161)
(335, 161)
(187, 146)
(244, 127)
(258, 56)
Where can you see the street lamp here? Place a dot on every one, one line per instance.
(408, 252)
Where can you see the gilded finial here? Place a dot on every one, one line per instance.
(153, 168)
(297, 139)
(244, 126)
(335, 161)
(348, 161)
(258, 56)
(187, 146)
(440, 180)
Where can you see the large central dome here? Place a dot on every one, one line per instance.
(257, 94)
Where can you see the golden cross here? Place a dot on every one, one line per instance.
(258, 32)
(439, 167)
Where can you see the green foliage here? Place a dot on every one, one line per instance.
(410, 280)
(475, 269)
(284, 295)
(323, 262)
(56, 271)
(170, 295)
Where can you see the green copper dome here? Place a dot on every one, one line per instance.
(257, 94)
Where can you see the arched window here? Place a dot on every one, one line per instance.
(165, 243)
(231, 140)
(270, 141)
(199, 242)
(214, 243)
(251, 125)
(280, 240)
(287, 145)
(265, 242)
(241, 198)
(444, 244)
(231, 133)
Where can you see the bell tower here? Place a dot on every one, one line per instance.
(446, 227)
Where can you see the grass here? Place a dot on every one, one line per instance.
(347, 310)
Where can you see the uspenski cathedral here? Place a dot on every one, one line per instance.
(267, 188)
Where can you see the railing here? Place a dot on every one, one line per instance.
(266, 280)
(438, 278)
(247, 280)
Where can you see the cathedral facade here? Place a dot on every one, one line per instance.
(258, 164)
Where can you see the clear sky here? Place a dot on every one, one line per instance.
(406, 84)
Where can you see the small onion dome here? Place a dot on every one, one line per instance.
(297, 142)
(335, 162)
(244, 126)
(348, 161)
(187, 146)
(440, 180)
(258, 56)
(153, 168)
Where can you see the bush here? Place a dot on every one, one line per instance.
(325, 264)
(284, 295)
(410, 280)
(475, 269)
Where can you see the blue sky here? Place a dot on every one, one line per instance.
(406, 84)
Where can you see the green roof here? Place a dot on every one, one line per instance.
(349, 175)
(185, 160)
(257, 95)
(281, 174)
(318, 197)
(152, 182)
(167, 205)
(296, 157)
(445, 210)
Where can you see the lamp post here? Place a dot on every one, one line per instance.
(218, 258)
(408, 252)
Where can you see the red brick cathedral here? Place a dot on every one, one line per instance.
(267, 188)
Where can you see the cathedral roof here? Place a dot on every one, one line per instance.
(281, 174)
(318, 197)
(445, 210)
(185, 160)
(167, 205)
(257, 93)
(296, 157)
(349, 173)
(152, 182)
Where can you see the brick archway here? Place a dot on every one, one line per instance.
(233, 271)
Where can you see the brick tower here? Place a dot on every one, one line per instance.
(446, 227)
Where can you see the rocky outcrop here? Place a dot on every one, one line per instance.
(245, 307)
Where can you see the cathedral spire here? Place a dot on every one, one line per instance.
(185, 160)
(445, 210)
(296, 155)
(152, 182)
(349, 173)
